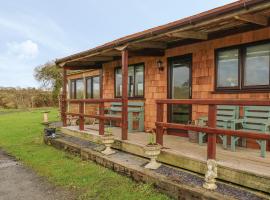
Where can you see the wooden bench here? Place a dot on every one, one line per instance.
(136, 108)
(227, 118)
(256, 118)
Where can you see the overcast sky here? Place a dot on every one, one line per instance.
(33, 32)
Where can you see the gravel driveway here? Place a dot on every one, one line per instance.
(20, 183)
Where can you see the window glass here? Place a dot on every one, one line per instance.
(96, 87)
(118, 82)
(79, 89)
(130, 81)
(135, 81)
(72, 89)
(256, 69)
(139, 80)
(227, 63)
(88, 88)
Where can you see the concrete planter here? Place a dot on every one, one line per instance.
(108, 140)
(152, 151)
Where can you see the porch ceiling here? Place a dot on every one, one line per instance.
(232, 18)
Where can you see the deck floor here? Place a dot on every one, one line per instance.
(243, 159)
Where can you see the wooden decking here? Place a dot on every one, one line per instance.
(180, 152)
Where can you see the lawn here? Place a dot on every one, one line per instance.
(21, 136)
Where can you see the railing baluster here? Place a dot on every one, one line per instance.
(81, 118)
(101, 120)
(159, 129)
(211, 144)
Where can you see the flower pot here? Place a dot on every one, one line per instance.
(152, 151)
(107, 140)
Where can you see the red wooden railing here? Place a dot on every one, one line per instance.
(100, 116)
(211, 130)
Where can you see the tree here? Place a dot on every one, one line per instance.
(50, 77)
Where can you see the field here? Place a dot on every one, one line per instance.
(21, 136)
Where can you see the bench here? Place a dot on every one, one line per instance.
(227, 117)
(256, 118)
(136, 108)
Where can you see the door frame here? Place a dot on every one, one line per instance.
(188, 58)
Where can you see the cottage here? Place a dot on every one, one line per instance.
(208, 74)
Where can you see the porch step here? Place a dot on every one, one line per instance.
(176, 183)
(239, 176)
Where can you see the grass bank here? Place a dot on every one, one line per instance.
(21, 136)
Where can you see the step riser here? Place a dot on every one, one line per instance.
(175, 191)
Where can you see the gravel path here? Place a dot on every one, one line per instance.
(20, 183)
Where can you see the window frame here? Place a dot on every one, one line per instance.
(134, 74)
(92, 88)
(241, 67)
(75, 87)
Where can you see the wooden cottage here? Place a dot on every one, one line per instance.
(208, 73)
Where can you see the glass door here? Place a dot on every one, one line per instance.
(180, 88)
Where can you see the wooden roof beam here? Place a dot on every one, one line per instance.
(189, 35)
(97, 58)
(253, 18)
(149, 45)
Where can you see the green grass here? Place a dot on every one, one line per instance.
(21, 136)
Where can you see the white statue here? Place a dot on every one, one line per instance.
(211, 175)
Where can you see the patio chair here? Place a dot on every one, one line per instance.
(227, 118)
(256, 118)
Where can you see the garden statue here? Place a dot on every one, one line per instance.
(108, 140)
(211, 175)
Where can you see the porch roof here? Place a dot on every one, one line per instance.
(228, 19)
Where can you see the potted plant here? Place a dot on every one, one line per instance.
(193, 135)
(152, 150)
(108, 139)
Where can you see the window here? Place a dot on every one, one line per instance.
(93, 87)
(135, 81)
(244, 67)
(227, 64)
(77, 89)
(256, 70)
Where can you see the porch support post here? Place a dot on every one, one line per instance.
(101, 119)
(101, 105)
(211, 144)
(124, 94)
(64, 98)
(159, 129)
(81, 120)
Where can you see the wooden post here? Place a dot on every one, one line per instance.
(81, 119)
(64, 98)
(124, 94)
(101, 120)
(159, 129)
(211, 144)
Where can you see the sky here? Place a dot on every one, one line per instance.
(34, 32)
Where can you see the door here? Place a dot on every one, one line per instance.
(180, 88)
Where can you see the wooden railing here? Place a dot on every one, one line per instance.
(211, 129)
(100, 116)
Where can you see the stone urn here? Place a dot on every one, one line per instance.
(152, 151)
(107, 140)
